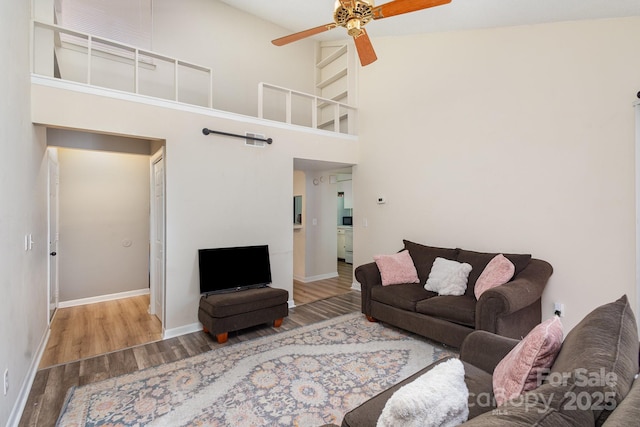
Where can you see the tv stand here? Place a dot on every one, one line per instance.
(226, 312)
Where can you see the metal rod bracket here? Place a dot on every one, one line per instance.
(206, 131)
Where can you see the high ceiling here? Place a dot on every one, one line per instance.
(298, 15)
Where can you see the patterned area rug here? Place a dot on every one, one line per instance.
(307, 376)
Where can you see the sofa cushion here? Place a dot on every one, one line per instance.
(605, 343)
(479, 261)
(627, 413)
(437, 398)
(498, 272)
(448, 277)
(424, 256)
(546, 406)
(480, 387)
(523, 367)
(396, 269)
(404, 297)
(456, 309)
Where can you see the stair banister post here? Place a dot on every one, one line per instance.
(314, 112)
(136, 72)
(89, 55)
(210, 88)
(175, 78)
(288, 106)
(261, 100)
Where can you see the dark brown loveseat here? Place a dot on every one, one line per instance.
(510, 310)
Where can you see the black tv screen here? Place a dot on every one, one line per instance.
(233, 269)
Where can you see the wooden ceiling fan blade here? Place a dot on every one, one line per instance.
(398, 7)
(303, 34)
(365, 48)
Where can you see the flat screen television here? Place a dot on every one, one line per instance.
(233, 269)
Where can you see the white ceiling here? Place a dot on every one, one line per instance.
(298, 15)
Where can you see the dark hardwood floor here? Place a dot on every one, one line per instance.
(304, 293)
(51, 384)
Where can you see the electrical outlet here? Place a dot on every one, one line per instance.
(6, 381)
(558, 308)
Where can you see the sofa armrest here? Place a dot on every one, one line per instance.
(485, 350)
(521, 292)
(627, 412)
(368, 275)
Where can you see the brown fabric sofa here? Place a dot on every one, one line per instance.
(602, 348)
(511, 310)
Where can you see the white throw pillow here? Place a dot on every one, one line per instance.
(448, 277)
(439, 398)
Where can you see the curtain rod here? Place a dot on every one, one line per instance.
(208, 131)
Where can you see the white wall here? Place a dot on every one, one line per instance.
(321, 254)
(219, 192)
(100, 142)
(237, 46)
(23, 210)
(299, 234)
(104, 223)
(515, 139)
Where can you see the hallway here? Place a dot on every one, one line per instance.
(304, 293)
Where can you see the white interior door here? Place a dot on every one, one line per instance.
(53, 237)
(157, 236)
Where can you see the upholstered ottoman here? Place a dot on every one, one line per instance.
(223, 313)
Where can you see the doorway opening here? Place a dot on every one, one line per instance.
(319, 271)
(107, 208)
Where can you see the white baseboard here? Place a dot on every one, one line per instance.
(27, 383)
(182, 330)
(103, 298)
(356, 286)
(318, 277)
(291, 303)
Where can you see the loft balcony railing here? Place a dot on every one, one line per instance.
(79, 57)
(299, 108)
(83, 58)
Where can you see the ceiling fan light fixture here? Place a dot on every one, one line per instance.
(353, 27)
(354, 15)
(361, 10)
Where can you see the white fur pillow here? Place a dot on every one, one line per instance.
(448, 277)
(438, 398)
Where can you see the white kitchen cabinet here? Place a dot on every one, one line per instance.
(341, 243)
(348, 246)
(345, 244)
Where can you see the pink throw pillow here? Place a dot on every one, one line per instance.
(397, 268)
(519, 371)
(498, 272)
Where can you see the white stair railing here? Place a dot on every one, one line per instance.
(121, 59)
(310, 110)
(83, 58)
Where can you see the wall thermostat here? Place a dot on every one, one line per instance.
(382, 200)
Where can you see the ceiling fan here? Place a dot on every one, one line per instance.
(354, 15)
